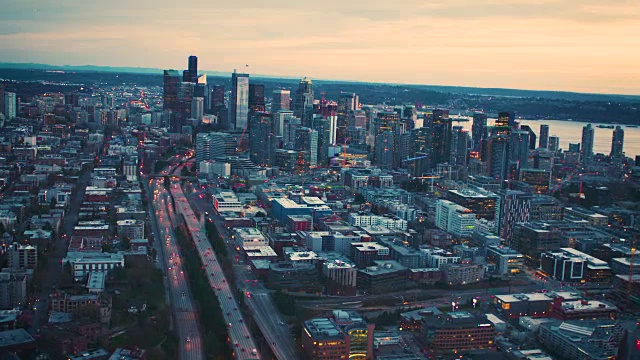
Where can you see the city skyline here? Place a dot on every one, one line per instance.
(543, 45)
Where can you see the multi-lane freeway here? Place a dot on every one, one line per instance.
(275, 331)
(185, 315)
(241, 340)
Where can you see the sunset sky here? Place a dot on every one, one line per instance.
(573, 45)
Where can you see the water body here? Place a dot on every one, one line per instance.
(571, 132)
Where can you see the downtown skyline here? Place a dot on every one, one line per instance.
(580, 46)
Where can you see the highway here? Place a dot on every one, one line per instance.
(184, 311)
(242, 342)
(268, 318)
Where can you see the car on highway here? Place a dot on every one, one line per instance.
(188, 339)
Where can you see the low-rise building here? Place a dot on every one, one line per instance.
(84, 263)
(462, 274)
(582, 339)
(531, 304)
(322, 339)
(573, 266)
(226, 200)
(340, 274)
(506, 260)
(458, 330)
(245, 237)
(582, 310)
(383, 277)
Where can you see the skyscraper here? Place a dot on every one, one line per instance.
(617, 154)
(303, 98)
(554, 143)
(217, 101)
(171, 81)
(440, 126)
(497, 156)
(506, 119)
(281, 100)
(323, 127)
(348, 102)
(262, 139)
(10, 105)
(459, 146)
(586, 151)
(532, 136)
(544, 136)
(306, 140)
(479, 130)
(197, 108)
(239, 101)
(386, 131)
(193, 69)
(256, 97)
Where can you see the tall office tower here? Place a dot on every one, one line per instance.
(2, 89)
(519, 147)
(532, 136)
(291, 124)
(544, 136)
(281, 100)
(256, 98)
(262, 139)
(384, 149)
(586, 152)
(239, 101)
(302, 98)
(440, 126)
(385, 130)
(419, 154)
(497, 156)
(10, 105)
(193, 69)
(170, 89)
(617, 142)
(479, 130)
(278, 120)
(410, 113)
(197, 108)
(459, 146)
(333, 128)
(348, 102)
(185, 97)
(217, 101)
(323, 127)
(306, 140)
(554, 143)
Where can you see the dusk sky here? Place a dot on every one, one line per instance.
(573, 45)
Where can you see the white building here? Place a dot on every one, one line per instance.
(22, 257)
(215, 168)
(10, 105)
(86, 262)
(366, 219)
(226, 200)
(455, 219)
(248, 237)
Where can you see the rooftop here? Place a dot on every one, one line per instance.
(14, 338)
(321, 328)
(548, 296)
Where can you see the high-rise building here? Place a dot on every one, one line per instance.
(256, 97)
(386, 142)
(348, 102)
(479, 130)
(532, 136)
(303, 98)
(554, 143)
(514, 207)
(217, 103)
(193, 69)
(281, 100)
(586, 151)
(459, 146)
(454, 219)
(171, 81)
(617, 154)
(197, 108)
(519, 149)
(544, 136)
(440, 127)
(239, 101)
(10, 105)
(497, 156)
(262, 139)
(506, 119)
(323, 127)
(306, 140)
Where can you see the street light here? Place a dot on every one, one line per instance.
(475, 301)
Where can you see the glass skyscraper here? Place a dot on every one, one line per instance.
(239, 101)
